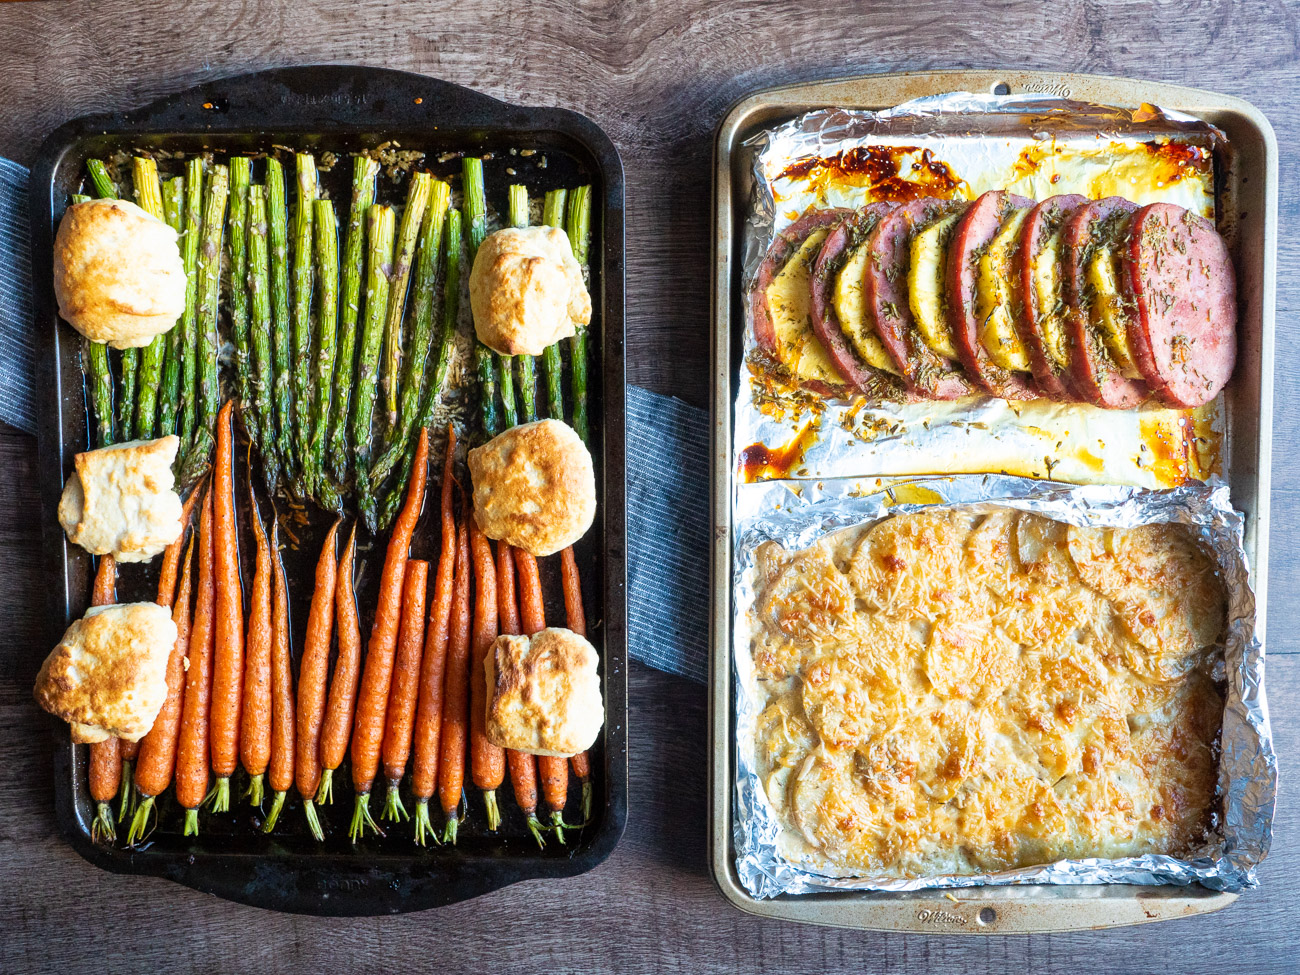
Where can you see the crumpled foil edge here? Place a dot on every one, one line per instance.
(796, 515)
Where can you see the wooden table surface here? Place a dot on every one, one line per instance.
(657, 77)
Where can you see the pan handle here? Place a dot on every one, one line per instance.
(887, 90)
(316, 97)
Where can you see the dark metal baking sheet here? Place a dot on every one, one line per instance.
(337, 109)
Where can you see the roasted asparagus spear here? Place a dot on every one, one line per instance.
(364, 171)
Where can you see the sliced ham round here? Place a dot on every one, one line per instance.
(1184, 333)
(852, 353)
(974, 230)
(1043, 328)
(786, 245)
(1095, 373)
(889, 308)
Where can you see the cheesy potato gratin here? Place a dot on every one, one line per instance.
(954, 693)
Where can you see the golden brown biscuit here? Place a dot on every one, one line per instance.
(526, 290)
(118, 273)
(534, 487)
(545, 693)
(120, 500)
(108, 675)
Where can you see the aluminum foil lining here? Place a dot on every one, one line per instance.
(1037, 146)
(796, 514)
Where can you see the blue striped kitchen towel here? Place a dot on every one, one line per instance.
(668, 516)
(668, 533)
(17, 345)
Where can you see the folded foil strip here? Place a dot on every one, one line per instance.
(1035, 145)
(796, 514)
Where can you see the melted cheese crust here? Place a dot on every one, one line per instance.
(950, 692)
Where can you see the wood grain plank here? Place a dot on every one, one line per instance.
(658, 78)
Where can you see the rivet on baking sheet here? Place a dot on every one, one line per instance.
(988, 916)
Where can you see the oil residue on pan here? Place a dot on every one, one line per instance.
(894, 173)
(759, 462)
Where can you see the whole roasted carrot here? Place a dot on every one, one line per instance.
(280, 775)
(577, 622)
(532, 608)
(171, 559)
(337, 726)
(428, 713)
(192, 749)
(372, 704)
(455, 695)
(105, 756)
(313, 673)
(105, 777)
(104, 589)
(157, 760)
(255, 720)
(130, 750)
(487, 762)
(553, 772)
(522, 765)
(228, 649)
(405, 686)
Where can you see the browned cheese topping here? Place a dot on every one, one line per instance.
(951, 692)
